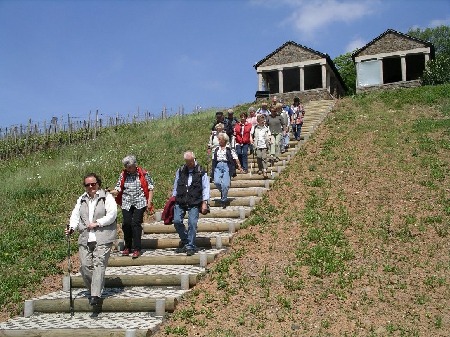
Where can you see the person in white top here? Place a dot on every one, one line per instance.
(224, 163)
(261, 141)
(95, 217)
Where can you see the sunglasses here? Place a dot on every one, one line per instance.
(90, 184)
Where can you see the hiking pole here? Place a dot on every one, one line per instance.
(69, 269)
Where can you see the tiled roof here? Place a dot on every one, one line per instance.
(284, 45)
(389, 31)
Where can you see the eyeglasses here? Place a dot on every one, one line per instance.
(90, 184)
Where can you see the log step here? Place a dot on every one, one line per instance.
(176, 259)
(200, 241)
(159, 228)
(118, 281)
(137, 304)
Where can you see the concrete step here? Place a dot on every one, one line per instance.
(82, 324)
(164, 257)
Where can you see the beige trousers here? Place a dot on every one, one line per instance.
(94, 259)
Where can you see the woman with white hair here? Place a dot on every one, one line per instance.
(214, 139)
(134, 193)
(224, 165)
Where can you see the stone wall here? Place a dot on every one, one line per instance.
(305, 96)
(289, 54)
(390, 43)
(389, 86)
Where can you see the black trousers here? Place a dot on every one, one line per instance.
(132, 227)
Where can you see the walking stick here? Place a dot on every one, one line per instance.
(69, 269)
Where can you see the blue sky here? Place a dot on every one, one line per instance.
(60, 58)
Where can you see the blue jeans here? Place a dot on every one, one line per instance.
(242, 152)
(222, 179)
(187, 237)
(297, 129)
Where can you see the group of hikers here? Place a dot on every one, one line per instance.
(263, 133)
(260, 132)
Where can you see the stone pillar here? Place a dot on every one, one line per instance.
(280, 81)
(324, 76)
(381, 71)
(302, 78)
(403, 62)
(260, 81)
(329, 81)
(427, 58)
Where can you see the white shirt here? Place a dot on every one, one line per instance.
(111, 213)
(222, 154)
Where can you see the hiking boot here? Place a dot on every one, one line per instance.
(181, 250)
(265, 175)
(94, 300)
(136, 254)
(126, 252)
(190, 252)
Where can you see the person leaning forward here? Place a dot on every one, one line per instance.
(95, 217)
(134, 193)
(191, 191)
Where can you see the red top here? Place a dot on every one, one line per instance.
(242, 133)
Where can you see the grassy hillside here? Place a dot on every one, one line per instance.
(352, 240)
(40, 190)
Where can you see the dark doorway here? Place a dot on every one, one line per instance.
(313, 77)
(271, 78)
(415, 65)
(392, 70)
(291, 80)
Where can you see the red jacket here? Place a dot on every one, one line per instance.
(167, 214)
(144, 185)
(245, 138)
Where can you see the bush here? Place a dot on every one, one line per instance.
(437, 71)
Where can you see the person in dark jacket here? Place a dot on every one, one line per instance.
(191, 191)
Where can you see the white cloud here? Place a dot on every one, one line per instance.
(312, 16)
(437, 22)
(354, 44)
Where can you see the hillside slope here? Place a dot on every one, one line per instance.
(353, 239)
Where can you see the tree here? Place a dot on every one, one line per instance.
(439, 37)
(437, 71)
(347, 70)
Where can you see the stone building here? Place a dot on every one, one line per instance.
(295, 70)
(391, 60)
